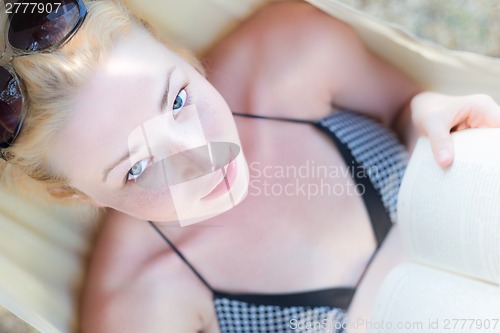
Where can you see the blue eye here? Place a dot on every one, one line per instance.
(180, 100)
(137, 170)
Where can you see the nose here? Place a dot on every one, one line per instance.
(180, 148)
(198, 162)
(189, 165)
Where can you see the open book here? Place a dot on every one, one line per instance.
(450, 223)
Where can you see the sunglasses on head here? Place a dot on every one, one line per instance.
(31, 27)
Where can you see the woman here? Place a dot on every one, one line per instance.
(117, 119)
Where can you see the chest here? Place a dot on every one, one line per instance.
(297, 173)
(302, 215)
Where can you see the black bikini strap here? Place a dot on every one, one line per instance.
(289, 120)
(176, 250)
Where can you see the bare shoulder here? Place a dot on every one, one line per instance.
(129, 289)
(288, 23)
(291, 59)
(282, 51)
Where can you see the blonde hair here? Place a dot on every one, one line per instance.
(51, 80)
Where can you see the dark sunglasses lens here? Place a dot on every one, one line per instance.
(36, 26)
(10, 106)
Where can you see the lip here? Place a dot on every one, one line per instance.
(225, 184)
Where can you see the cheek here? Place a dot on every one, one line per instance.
(215, 115)
(144, 204)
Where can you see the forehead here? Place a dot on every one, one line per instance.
(124, 91)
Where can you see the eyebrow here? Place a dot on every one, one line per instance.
(127, 155)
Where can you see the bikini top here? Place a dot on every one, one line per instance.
(363, 143)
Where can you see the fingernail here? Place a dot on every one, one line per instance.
(444, 155)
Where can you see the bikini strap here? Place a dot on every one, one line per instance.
(289, 120)
(181, 256)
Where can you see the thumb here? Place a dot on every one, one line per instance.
(441, 143)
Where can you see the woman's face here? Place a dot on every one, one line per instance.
(150, 137)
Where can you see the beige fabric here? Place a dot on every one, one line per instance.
(42, 253)
(43, 249)
(194, 24)
(429, 64)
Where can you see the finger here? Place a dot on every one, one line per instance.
(438, 132)
(491, 111)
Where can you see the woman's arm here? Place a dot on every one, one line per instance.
(361, 81)
(133, 288)
(357, 79)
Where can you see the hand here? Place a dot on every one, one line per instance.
(436, 115)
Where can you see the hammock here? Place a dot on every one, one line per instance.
(43, 250)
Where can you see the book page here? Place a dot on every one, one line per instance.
(450, 218)
(417, 298)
